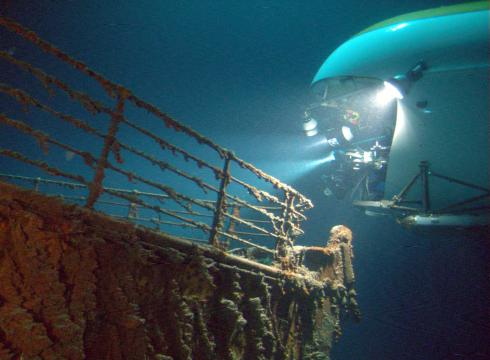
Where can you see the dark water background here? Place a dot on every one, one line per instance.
(239, 72)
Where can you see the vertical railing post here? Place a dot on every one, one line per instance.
(37, 182)
(220, 205)
(95, 187)
(284, 253)
(235, 212)
(132, 211)
(424, 174)
(133, 206)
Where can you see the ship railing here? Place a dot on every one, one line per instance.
(106, 139)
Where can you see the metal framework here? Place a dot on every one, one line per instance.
(400, 204)
(275, 208)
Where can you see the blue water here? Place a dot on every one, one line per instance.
(239, 72)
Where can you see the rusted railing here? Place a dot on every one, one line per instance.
(275, 209)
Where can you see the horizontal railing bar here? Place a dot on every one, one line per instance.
(247, 223)
(207, 244)
(275, 182)
(44, 138)
(24, 98)
(166, 166)
(222, 152)
(257, 193)
(251, 225)
(193, 214)
(194, 239)
(265, 207)
(177, 126)
(154, 221)
(256, 208)
(174, 195)
(158, 209)
(94, 106)
(190, 200)
(173, 148)
(201, 226)
(42, 165)
(105, 202)
(199, 182)
(91, 105)
(203, 185)
(70, 184)
(57, 172)
(41, 180)
(257, 221)
(68, 197)
(90, 159)
(282, 225)
(163, 222)
(135, 192)
(237, 238)
(248, 233)
(218, 172)
(112, 89)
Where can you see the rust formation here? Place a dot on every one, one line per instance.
(76, 284)
(282, 206)
(117, 276)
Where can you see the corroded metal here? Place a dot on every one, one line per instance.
(220, 206)
(94, 107)
(26, 99)
(41, 165)
(284, 245)
(95, 186)
(113, 90)
(44, 139)
(109, 289)
(288, 204)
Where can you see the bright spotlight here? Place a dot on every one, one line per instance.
(312, 132)
(393, 90)
(327, 159)
(322, 141)
(330, 157)
(310, 124)
(347, 133)
(339, 136)
(388, 94)
(310, 127)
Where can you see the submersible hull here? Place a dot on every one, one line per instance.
(442, 119)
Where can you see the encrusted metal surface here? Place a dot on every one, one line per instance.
(278, 204)
(76, 284)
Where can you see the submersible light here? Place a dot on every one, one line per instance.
(339, 136)
(325, 159)
(310, 127)
(347, 133)
(389, 93)
(398, 86)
